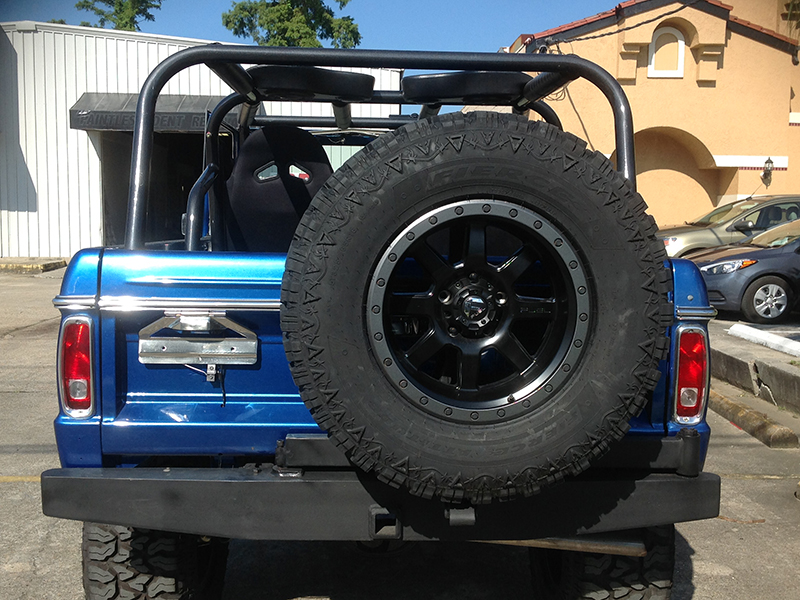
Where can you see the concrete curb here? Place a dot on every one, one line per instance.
(757, 424)
(31, 266)
(735, 370)
(764, 372)
(770, 340)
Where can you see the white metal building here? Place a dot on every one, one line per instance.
(63, 168)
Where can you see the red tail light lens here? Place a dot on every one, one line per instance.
(691, 387)
(75, 375)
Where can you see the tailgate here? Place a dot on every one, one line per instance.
(191, 355)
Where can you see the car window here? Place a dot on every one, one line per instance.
(723, 213)
(770, 216)
(777, 236)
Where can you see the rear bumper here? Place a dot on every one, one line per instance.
(287, 504)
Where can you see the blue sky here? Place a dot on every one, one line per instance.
(464, 25)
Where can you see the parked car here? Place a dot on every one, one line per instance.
(730, 223)
(758, 277)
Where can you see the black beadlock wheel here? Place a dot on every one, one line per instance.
(474, 306)
(126, 563)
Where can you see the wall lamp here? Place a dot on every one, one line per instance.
(766, 174)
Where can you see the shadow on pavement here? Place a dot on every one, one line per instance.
(683, 586)
(342, 571)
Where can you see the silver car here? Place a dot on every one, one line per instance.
(730, 223)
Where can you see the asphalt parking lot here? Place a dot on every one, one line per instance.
(751, 551)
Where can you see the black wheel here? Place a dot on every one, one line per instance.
(122, 562)
(566, 575)
(767, 300)
(474, 306)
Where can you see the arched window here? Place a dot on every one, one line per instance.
(666, 53)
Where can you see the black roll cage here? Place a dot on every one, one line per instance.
(555, 71)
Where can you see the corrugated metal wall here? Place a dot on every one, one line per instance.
(50, 176)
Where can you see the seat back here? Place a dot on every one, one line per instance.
(278, 170)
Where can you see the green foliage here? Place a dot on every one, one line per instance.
(58, 21)
(792, 13)
(121, 14)
(291, 23)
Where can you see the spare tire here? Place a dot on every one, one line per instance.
(474, 306)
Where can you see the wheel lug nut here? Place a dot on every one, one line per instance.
(473, 277)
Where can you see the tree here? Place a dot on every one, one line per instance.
(291, 23)
(121, 14)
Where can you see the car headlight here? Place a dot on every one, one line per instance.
(728, 266)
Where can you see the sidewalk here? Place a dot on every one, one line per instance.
(755, 387)
(31, 266)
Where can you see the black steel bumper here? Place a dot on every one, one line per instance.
(290, 504)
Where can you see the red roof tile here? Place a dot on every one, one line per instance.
(576, 24)
(526, 39)
(764, 30)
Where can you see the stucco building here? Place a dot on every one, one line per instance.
(713, 90)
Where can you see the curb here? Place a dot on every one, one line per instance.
(757, 424)
(31, 266)
(765, 338)
(772, 380)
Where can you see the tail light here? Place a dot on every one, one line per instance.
(691, 386)
(75, 367)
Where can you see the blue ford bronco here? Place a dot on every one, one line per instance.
(467, 332)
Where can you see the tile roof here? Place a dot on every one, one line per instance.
(616, 12)
(764, 30)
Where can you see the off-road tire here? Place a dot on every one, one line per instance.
(452, 427)
(567, 575)
(123, 563)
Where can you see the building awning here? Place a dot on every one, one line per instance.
(117, 112)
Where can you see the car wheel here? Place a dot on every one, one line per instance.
(767, 300)
(474, 307)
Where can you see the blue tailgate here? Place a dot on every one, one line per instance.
(172, 408)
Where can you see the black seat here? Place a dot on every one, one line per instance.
(465, 87)
(278, 170)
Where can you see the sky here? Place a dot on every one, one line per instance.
(463, 25)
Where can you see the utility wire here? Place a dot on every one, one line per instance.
(549, 41)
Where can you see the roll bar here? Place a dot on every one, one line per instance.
(555, 71)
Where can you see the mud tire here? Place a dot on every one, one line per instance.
(459, 430)
(566, 575)
(137, 564)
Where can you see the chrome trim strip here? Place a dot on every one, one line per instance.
(205, 281)
(705, 313)
(133, 304)
(75, 302)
